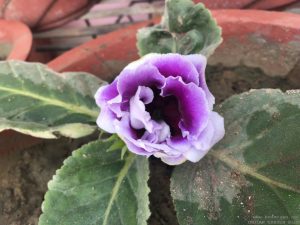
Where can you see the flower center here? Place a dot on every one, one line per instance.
(166, 109)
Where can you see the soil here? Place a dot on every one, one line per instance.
(24, 174)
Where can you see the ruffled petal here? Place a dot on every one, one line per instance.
(129, 136)
(106, 120)
(194, 155)
(106, 93)
(139, 117)
(134, 144)
(173, 161)
(199, 61)
(115, 105)
(179, 143)
(212, 134)
(133, 77)
(174, 65)
(193, 105)
(161, 132)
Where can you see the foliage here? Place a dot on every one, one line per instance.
(186, 28)
(37, 101)
(251, 174)
(96, 186)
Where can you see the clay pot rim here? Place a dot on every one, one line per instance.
(54, 23)
(267, 4)
(75, 56)
(19, 35)
(248, 4)
(261, 16)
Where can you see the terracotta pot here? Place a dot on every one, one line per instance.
(261, 39)
(225, 4)
(44, 14)
(270, 4)
(15, 40)
(242, 4)
(267, 40)
(104, 56)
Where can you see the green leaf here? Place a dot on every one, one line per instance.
(97, 187)
(37, 101)
(253, 175)
(186, 28)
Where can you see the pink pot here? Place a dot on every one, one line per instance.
(15, 40)
(44, 14)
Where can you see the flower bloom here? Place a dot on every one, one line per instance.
(160, 105)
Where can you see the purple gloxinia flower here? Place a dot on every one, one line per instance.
(160, 105)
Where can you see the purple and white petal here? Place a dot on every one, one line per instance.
(174, 65)
(129, 136)
(161, 132)
(199, 61)
(115, 105)
(106, 120)
(173, 161)
(181, 144)
(130, 79)
(194, 155)
(160, 105)
(139, 117)
(106, 93)
(216, 123)
(192, 105)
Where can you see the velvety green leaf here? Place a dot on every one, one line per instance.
(40, 102)
(186, 28)
(253, 175)
(154, 39)
(96, 187)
